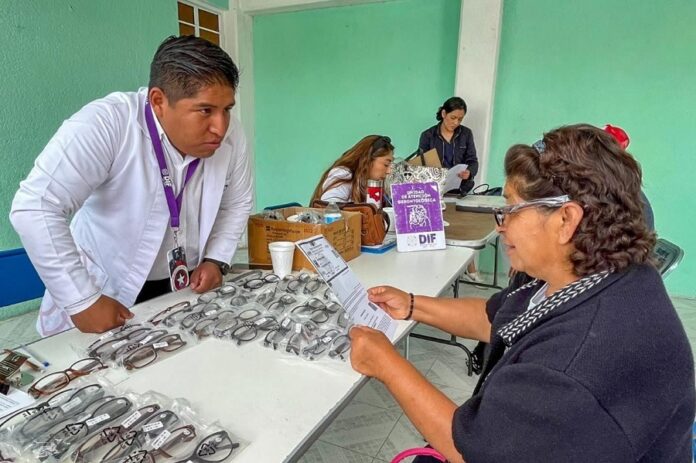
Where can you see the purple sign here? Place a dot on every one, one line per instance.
(418, 214)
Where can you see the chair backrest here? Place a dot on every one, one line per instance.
(19, 281)
(667, 256)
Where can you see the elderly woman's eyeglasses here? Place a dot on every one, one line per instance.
(500, 213)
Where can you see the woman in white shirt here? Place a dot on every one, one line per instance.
(346, 180)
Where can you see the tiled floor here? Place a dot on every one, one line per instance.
(372, 428)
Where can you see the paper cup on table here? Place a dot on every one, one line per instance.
(281, 255)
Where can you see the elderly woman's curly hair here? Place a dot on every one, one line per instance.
(589, 166)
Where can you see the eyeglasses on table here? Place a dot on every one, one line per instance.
(54, 382)
(61, 441)
(163, 450)
(147, 354)
(18, 418)
(138, 436)
(216, 447)
(159, 316)
(78, 402)
(122, 433)
(320, 344)
(256, 283)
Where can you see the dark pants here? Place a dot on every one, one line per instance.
(152, 289)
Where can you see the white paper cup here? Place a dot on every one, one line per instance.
(281, 255)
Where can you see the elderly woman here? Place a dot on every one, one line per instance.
(589, 361)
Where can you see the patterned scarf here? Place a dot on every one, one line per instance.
(513, 330)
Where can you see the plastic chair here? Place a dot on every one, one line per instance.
(19, 281)
(667, 256)
(281, 206)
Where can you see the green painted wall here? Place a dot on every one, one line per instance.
(221, 4)
(57, 56)
(326, 78)
(609, 61)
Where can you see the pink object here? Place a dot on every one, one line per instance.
(425, 451)
(619, 134)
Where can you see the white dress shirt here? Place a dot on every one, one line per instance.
(93, 217)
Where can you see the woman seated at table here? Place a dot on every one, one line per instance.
(589, 361)
(346, 179)
(453, 142)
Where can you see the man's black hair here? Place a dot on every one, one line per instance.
(183, 65)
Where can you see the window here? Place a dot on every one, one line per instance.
(194, 20)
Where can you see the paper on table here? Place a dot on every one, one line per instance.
(345, 285)
(14, 401)
(453, 179)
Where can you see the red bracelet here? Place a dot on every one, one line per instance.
(410, 307)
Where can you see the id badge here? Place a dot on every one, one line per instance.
(178, 270)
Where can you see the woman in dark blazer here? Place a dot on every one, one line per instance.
(454, 142)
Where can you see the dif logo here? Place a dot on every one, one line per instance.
(426, 238)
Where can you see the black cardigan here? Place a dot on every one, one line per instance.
(606, 377)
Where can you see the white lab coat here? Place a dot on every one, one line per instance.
(100, 169)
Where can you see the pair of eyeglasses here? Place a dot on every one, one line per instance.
(20, 417)
(339, 346)
(48, 417)
(216, 447)
(151, 337)
(282, 302)
(256, 283)
(139, 435)
(124, 432)
(61, 441)
(319, 345)
(499, 213)
(205, 327)
(162, 445)
(159, 316)
(199, 312)
(108, 348)
(112, 335)
(242, 278)
(302, 331)
(249, 326)
(292, 283)
(316, 310)
(312, 285)
(54, 382)
(145, 355)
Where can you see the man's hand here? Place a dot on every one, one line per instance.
(465, 174)
(393, 301)
(206, 277)
(104, 314)
(371, 352)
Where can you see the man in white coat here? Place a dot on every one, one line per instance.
(139, 193)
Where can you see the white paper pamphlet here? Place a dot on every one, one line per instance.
(13, 401)
(453, 181)
(345, 284)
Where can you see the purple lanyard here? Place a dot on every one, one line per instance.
(173, 203)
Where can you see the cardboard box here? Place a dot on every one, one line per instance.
(430, 159)
(344, 235)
